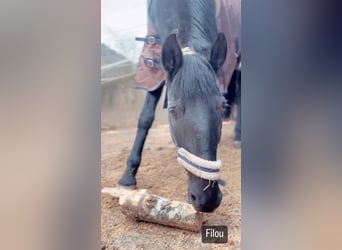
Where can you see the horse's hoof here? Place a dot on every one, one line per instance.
(127, 180)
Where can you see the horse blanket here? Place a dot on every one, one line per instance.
(228, 20)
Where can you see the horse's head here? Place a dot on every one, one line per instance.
(195, 107)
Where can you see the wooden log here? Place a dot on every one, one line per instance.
(145, 206)
(118, 191)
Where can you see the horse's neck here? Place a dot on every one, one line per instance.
(200, 26)
(193, 19)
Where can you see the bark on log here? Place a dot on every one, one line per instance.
(145, 206)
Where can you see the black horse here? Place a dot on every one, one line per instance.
(192, 53)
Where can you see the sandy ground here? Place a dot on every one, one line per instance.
(160, 173)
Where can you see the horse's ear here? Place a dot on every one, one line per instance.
(218, 52)
(172, 57)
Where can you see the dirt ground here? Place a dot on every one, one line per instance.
(160, 173)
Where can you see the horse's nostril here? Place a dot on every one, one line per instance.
(193, 197)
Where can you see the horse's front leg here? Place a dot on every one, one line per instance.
(237, 130)
(145, 122)
(231, 94)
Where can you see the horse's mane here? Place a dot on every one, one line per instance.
(194, 19)
(202, 33)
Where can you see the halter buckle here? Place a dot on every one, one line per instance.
(149, 63)
(150, 40)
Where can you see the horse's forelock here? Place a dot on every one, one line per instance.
(195, 78)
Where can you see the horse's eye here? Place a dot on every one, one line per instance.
(172, 110)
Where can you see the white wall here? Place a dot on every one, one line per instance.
(121, 22)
